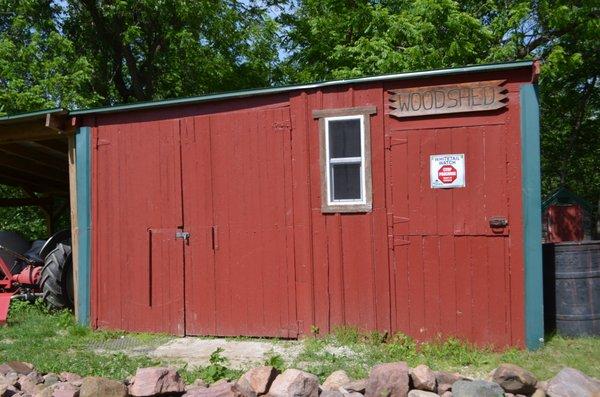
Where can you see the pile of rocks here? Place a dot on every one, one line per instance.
(386, 380)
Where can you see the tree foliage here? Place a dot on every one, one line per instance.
(39, 65)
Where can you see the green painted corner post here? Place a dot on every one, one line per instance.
(532, 219)
(83, 188)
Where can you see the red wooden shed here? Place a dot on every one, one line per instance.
(402, 203)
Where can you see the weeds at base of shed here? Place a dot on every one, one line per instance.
(366, 349)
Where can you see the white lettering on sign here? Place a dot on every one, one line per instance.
(447, 170)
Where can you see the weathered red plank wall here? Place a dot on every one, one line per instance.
(424, 261)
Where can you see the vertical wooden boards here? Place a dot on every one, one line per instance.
(350, 272)
(450, 267)
(138, 263)
(301, 118)
(250, 161)
(200, 299)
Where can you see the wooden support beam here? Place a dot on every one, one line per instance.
(20, 165)
(74, 221)
(27, 131)
(55, 122)
(51, 148)
(33, 155)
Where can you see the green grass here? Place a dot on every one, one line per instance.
(53, 342)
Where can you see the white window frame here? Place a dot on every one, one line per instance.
(345, 160)
(328, 205)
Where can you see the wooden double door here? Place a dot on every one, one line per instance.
(193, 216)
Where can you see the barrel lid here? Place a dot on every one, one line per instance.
(583, 242)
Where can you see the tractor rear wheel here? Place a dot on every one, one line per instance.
(56, 281)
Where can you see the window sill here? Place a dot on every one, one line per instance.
(346, 208)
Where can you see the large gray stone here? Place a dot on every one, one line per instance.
(476, 388)
(514, 379)
(50, 379)
(572, 383)
(257, 381)
(423, 378)
(156, 381)
(294, 383)
(388, 380)
(93, 386)
(336, 380)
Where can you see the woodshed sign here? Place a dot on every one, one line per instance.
(455, 98)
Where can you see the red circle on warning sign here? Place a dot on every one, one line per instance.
(447, 174)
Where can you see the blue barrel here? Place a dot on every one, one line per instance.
(572, 287)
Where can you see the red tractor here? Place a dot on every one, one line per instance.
(45, 270)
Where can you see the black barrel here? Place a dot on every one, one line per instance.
(572, 287)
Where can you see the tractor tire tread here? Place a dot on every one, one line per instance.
(52, 280)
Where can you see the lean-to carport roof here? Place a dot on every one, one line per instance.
(33, 151)
(282, 89)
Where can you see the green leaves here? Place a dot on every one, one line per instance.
(337, 39)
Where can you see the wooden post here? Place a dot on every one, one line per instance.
(74, 224)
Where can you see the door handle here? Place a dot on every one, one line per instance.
(498, 222)
(215, 237)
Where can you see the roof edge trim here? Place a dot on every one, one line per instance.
(32, 115)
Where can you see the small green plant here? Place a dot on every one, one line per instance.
(275, 360)
(217, 369)
(314, 330)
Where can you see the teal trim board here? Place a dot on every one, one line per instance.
(532, 220)
(83, 187)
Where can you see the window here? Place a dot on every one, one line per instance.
(345, 159)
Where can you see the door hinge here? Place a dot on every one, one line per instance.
(284, 126)
(393, 219)
(391, 141)
(395, 241)
(101, 142)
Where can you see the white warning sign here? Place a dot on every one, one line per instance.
(447, 170)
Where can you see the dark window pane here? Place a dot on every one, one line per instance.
(345, 181)
(344, 138)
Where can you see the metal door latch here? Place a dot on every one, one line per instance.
(182, 235)
(498, 221)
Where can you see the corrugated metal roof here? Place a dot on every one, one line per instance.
(282, 89)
